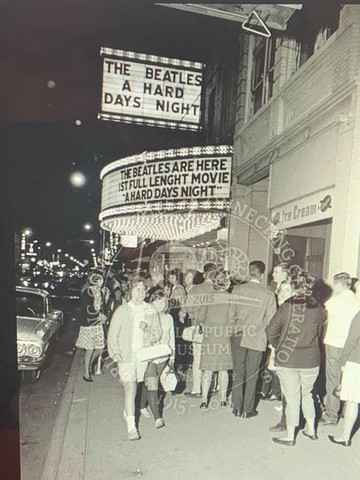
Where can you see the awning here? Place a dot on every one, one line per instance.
(275, 16)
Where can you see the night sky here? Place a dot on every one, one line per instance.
(59, 41)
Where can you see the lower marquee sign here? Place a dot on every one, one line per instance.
(177, 187)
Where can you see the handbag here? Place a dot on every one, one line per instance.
(153, 352)
(193, 334)
(168, 379)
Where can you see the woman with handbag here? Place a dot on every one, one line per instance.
(192, 334)
(214, 318)
(350, 383)
(91, 335)
(156, 366)
(134, 326)
(176, 300)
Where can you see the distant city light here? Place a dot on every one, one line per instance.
(48, 244)
(27, 232)
(51, 84)
(78, 122)
(77, 179)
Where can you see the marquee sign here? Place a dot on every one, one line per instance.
(312, 208)
(150, 90)
(168, 194)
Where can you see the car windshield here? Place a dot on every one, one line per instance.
(29, 305)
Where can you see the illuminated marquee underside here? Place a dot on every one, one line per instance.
(164, 219)
(164, 226)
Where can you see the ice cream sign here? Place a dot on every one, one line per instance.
(312, 208)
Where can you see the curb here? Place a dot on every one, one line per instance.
(53, 457)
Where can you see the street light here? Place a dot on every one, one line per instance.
(77, 179)
(27, 232)
(48, 244)
(87, 227)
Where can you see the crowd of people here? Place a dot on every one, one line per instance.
(245, 341)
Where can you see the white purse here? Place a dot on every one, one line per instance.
(193, 334)
(168, 379)
(147, 354)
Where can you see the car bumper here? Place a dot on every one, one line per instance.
(27, 363)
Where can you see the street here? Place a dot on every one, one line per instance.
(39, 403)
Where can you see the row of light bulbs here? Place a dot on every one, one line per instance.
(147, 121)
(185, 205)
(165, 226)
(151, 58)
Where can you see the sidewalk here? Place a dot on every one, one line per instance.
(89, 441)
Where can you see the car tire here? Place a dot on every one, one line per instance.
(30, 376)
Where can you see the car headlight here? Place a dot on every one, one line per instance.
(21, 350)
(34, 350)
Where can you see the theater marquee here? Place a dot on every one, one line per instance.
(167, 195)
(151, 90)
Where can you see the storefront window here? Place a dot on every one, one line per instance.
(263, 72)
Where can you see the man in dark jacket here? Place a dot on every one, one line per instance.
(254, 306)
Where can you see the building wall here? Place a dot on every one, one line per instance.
(324, 80)
(220, 93)
(249, 220)
(308, 134)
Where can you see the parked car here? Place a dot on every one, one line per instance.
(37, 323)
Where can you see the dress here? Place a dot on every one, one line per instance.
(214, 317)
(91, 334)
(176, 300)
(350, 383)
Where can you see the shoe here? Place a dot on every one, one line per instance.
(312, 437)
(323, 422)
(192, 394)
(159, 423)
(236, 412)
(133, 435)
(145, 413)
(88, 379)
(273, 397)
(279, 427)
(223, 404)
(263, 396)
(250, 414)
(286, 443)
(344, 443)
(203, 406)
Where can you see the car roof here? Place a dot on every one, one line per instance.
(36, 291)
